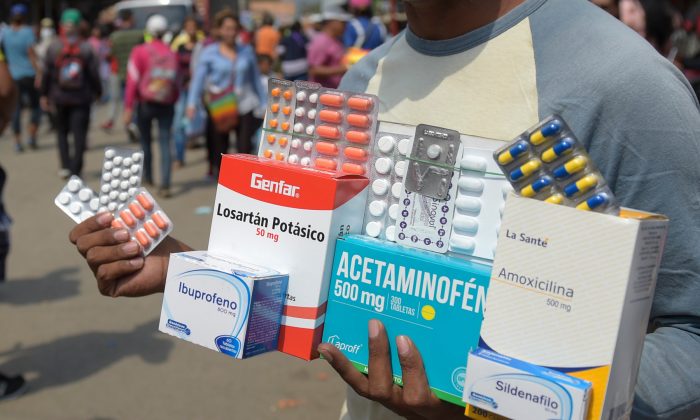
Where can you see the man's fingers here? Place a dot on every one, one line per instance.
(93, 224)
(99, 255)
(416, 391)
(108, 275)
(102, 238)
(381, 378)
(345, 369)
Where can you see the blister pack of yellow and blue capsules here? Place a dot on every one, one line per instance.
(548, 163)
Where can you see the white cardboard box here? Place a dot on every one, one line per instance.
(288, 217)
(224, 305)
(572, 290)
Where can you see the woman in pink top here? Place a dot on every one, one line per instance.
(326, 50)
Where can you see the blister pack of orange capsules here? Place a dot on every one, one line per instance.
(317, 127)
(146, 222)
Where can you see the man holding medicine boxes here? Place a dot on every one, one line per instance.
(492, 69)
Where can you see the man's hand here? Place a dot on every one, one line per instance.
(415, 400)
(127, 116)
(116, 261)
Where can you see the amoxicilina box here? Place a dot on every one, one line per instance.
(436, 300)
(288, 217)
(222, 304)
(572, 291)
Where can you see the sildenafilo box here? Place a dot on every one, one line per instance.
(436, 300)
(225, 305)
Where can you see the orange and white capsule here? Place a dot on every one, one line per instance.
(142, 238)
(117, 224)
(359, 103)
(355, 153)
(328, 132)
(331, 99)
(359, 137)
(161, 220)
(145, 201)
(326, 148)
(151, 229)
(127, 218)
(359, 120)
(330, 164)
(137, 210)
(353, 169)
(333, 117)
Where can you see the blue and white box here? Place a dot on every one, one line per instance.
(228, 306)
(517, 389)
(436, 300)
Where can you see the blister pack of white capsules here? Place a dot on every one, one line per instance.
(301, 148)
(121, 176)
(146, 222)
(279, 120)
(77, 200)
(387, 170)
(345, 130)
(481, 192)
(548, 163)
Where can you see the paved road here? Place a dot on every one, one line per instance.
(91, 357)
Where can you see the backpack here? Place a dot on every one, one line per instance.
(70, 64)
(159, 84)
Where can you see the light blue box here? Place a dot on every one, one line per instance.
(436, 300)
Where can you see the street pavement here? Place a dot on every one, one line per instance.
(91, 357)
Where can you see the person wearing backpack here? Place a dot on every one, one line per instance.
(70, 84)
(152, 81)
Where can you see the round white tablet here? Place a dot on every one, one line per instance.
(134, 180)
(380, 186)
(313, 98)
(112, 206)
(75, 207)
(298, 127)
(373, 229)
(308, 146)
(473, 163)
(397, 189)
(468, 204)
(295, 144)
(377, 208)
(472, 185)
(293, 159)
(124, 185)
(85, 194)
(104, 199)
(390, 233)
(74, 185)
(310, 129)
(311, 114)
(383, 165)
(305, 161)
(404, 146)
(106, 177)
(123, 196)
(135, 169)
(128, 161)
(400, 168)
(394, 211)
(105, 188)
(136, 157)
(116, 172)
(126, 173)
(64, 198)
(110, 153)
(114, 183)
(132, 191)
(434, 151)
(118, 160)
(301, 96)
(108, 166)
(95, 204)
(386, 144)
(113, 195)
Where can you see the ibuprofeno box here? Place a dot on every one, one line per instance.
(435, 299)
(516, 389)
(287, 217)
(225, 305)
(572, 290)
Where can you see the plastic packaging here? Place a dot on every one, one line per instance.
(432, 159)
(146, 222)
(279, 120)
(548, 163)
(77, 200)
(121, 176)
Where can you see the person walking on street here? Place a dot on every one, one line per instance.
(228, 78)
(326, 50)
(267, 37)
(184, 48)
(364, 31)
(70, 84)
(152, 81)
(293, 54)
(18, 42)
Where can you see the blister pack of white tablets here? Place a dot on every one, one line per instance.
(121, 176)
(387, 171)
(146, 222)
(301, 147)
(481, 192)
(77, 200)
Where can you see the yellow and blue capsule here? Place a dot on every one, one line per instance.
(560, 148)
(548, 130)
(537, 186)
(582, 185)
(593, 202)
(576, 164)
(526, 169)
(555, 199)
(512, 153)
